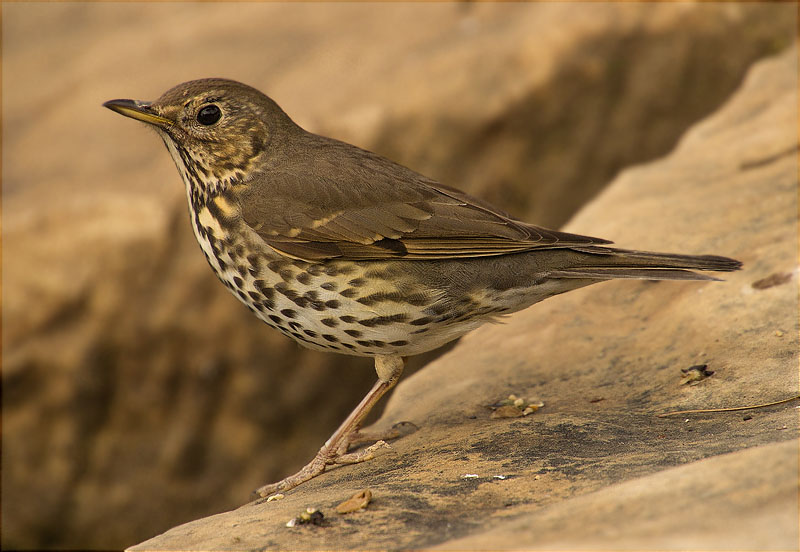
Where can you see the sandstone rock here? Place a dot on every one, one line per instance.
(137, 393)
(596, 467)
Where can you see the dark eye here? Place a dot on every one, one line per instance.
(209, 115)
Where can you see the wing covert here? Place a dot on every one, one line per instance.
(362, 206)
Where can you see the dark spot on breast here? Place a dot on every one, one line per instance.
(331, 338)
(277, 319)
(241, 294)
(254, 296)
(300, 301)
(347, 319)
(265, 290)
(421, 321)
(304, 278)
(353, 333)
(332, 304)
(330, 322)
(284, 290)
(349, 345)
(348, 293)
(310, 333)
(289, 313)
(242, 270)
(398, 343)
(380, 297)
(421, 330)
(238, 281)
(437, 309)
(315, 269)
(299, 337)
(295, 325)
(330, 286)
(357, 282)
(286, 274)
(383, 320)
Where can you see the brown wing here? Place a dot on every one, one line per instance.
(338, 201)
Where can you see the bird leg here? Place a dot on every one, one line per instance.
(334, 451)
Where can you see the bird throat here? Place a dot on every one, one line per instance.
(202, 182)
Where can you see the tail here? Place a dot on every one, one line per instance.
(606, 263)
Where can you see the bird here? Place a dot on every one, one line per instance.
(346, 251)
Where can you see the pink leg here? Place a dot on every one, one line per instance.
(334, 451)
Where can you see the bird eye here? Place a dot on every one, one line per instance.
(209, 115)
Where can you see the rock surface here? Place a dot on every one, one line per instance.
(596, 467)
(137, 394)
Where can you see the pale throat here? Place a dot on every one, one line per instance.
(202, 183)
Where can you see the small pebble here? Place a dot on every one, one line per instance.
(358, 501)
(311, 516)
(695, 373)
(506, 411)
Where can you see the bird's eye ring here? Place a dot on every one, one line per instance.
(209, 115)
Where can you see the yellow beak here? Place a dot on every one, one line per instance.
(137, 110)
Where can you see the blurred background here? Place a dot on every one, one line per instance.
(137, 393)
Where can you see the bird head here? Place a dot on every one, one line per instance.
(216, 130)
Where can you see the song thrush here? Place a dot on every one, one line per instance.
(343, 250)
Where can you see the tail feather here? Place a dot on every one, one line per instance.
(605, 263)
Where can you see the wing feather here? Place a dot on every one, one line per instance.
(339, 201)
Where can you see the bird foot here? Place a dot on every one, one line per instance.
(334, 451)
(309, 471)
(329, 455)
(361, 455)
